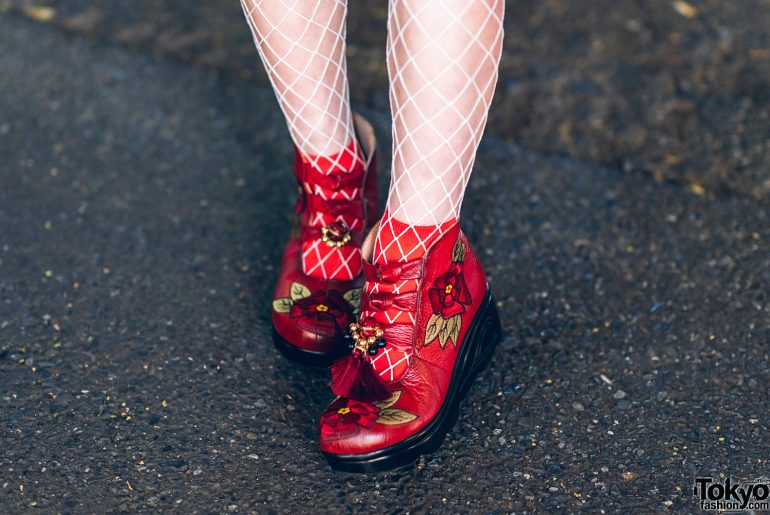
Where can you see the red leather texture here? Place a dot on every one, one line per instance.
(309, 311)
(452, 286)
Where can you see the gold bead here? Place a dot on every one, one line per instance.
(371, 340)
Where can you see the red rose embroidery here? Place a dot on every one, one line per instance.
(450, 294)
(324, 313)
(349, 416)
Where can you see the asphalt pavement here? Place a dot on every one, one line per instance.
(143, 207)
(676, 89)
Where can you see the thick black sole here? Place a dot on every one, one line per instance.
(476, 351)
(306, 357)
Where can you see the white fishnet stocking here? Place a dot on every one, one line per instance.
(442, 61)
(302, 46)
(442, 58)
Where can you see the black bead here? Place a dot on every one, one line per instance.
(381, 342)
(372, 351)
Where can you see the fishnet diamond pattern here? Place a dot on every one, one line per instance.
(391, 364)
(442, 59)
(330, 263)
(302, 46)
(318, 259)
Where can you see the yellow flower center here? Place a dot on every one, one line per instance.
(343, 411)
(322, 307)
(448, 289)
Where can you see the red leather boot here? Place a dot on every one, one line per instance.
(311, 311)
(381, 420)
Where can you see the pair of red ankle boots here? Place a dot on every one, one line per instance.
(398, 381)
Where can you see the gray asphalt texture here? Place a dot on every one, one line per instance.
(143, 207)
(679, 90)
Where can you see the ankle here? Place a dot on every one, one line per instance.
(400, 241)
(349, 159)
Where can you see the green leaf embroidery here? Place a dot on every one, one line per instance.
(392, 417)
(443, 329)
(458, 252)
(387, 403)
(282, 305)
(453, 325)
(442, 336)
(454, 335)
(432, 329)
(299, 291)
(446, 330)
(353, 297)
